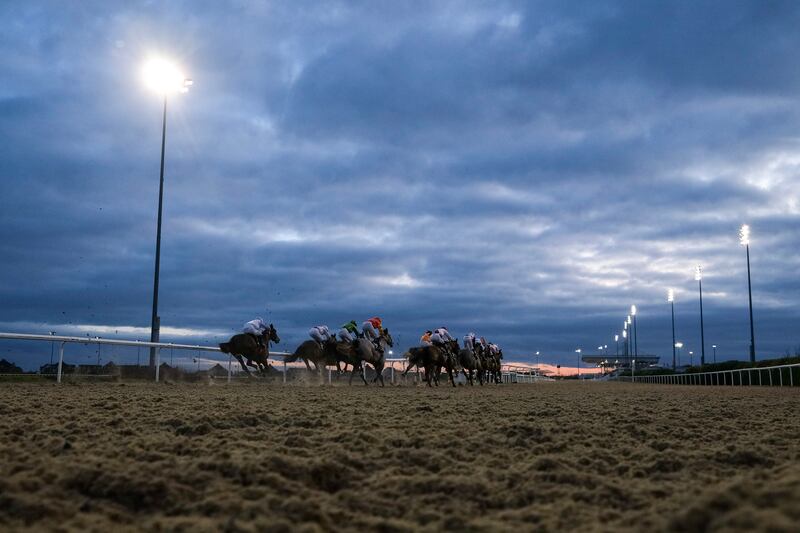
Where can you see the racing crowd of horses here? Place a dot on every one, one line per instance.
(477, 364)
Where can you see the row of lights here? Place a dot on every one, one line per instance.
(629, 324)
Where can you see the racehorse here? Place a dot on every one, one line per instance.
(470, 361)
(331, 353)
(432, 358)
(364, 351)
(244, 346)
(492, 366)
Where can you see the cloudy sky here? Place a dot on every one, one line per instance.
(527, 170)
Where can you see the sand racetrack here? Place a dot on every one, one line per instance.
(554, 456)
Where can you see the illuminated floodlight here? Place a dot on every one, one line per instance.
(578, 350)
(744, 235)
(698, 273)
(616, 338)
(629, 319)
(633, 310)
(679, 345)
(625, 333)
(164, 77)
(671, 295)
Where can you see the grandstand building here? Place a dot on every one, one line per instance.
(610, 363)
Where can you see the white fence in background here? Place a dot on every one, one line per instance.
(756, 376)
(510, 373)
(62, 341)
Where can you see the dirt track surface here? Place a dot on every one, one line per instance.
(252, 457)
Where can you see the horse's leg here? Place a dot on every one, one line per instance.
(364, 373)
(241, 362)
(379, 374)
(308, 367)
(428, 375)
(352, 373)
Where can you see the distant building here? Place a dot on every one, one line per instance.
(7, 367)
(609, 363)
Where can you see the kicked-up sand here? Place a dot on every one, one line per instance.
(266, 457)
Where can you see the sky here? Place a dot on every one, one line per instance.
(524, 170)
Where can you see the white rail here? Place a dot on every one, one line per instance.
(62, 340)
(727, 377)
(510, 373)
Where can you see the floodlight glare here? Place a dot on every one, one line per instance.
(633, 310)
(679, 345)
(744, 235)
(629, 319)
(163, 77)
(698, 273)
(616, 338)
(625, 333)
(670, 295)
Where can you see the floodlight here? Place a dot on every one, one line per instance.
(744, 235)
(164, 77)
(671, 295)
(698, 273)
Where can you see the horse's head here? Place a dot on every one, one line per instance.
(454, 345)
(387, 337)
(272, 334)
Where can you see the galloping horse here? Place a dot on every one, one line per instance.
(244, 346)
(364, 351)
(332, 353)
(470, 361)
(432, 358)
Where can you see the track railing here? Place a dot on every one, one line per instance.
(772, 376)
(62, 341)
(510, 373)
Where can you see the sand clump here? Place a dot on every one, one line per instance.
(258, 457)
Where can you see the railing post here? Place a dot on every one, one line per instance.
(230, 357)
(60, 361)
(780, 374)
(791, 377)
(329, 376)
(284, 370)
(158, 362)
(392, 373)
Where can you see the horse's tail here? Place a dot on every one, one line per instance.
(291, 358)
(225, 347)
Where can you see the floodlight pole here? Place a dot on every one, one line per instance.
(672, 303)
(702, 329)
(155, 325)
(750, 296)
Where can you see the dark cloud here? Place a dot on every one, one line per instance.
(526, 170)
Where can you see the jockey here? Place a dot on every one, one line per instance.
(425, 340)
(494, 349)
(441, 338)
(469, 341)
(371, 328)
(348, 332)
(321, 334)
(255, 328)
